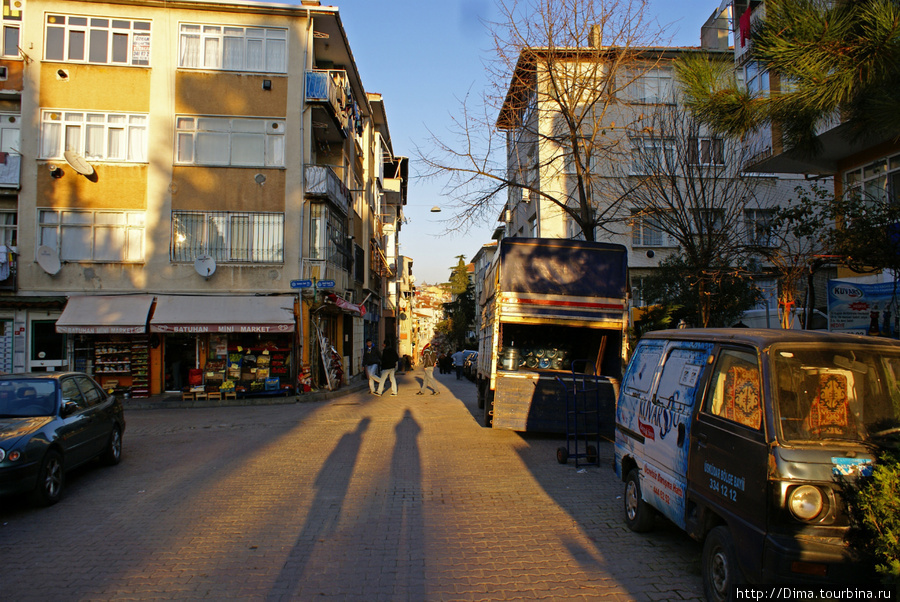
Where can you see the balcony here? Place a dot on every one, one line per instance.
(322, 182)
(10, 170)
(335, 113)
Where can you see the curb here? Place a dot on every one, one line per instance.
(171, 402)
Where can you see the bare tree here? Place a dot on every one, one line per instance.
(550, 118)
(684, 189)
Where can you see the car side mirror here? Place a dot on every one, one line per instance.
(69, 407)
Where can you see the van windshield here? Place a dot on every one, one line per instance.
(837, 392)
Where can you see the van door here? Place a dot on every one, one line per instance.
(729, 455)
(665, 423)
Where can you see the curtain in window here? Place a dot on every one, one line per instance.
(248, 149)
(240, 238)
(116, 144)
(276, 50)
(212, 148)
(137, 143)
(216, 236)
(190, 50)
(93, 137)
(212, 54)
(51, 140)
(234, 53)
(275, 151)
(255, 61)
(109, 243)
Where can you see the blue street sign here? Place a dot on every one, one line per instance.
(325, 284)
(301, 283)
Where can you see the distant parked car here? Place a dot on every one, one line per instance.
(51, 422)
(470, 365)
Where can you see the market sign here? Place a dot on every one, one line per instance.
(866, 309)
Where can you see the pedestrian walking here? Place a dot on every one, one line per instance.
(429, 359)
(389, 359)
(459, 358)
(372, 361)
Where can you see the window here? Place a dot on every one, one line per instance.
(230, 141)
(12, 22)
(328, 236)
(877, 181)
(735, 393)
(228, 236)
(8, 228)
(229, 48)
(94, 236)
(10, 128)
(654, 86)
(96, 136)
(757, 80)
(97, 40)
(646, 231)
(759, 225)
(706, 151)
(652, 155)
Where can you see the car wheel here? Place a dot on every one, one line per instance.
(113, 453)
(720, 569)
(50, 479)
(638, 514)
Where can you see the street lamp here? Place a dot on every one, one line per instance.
(435, 209)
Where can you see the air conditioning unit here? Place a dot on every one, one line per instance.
(349, 295)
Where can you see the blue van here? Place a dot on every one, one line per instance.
(740, 437)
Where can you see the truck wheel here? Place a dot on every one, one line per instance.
(562, 455)
(719, 565)
(638, 514)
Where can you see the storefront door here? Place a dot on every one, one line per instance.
(48, 347)
(180, 355)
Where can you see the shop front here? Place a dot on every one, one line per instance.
(108, 339)
(218, 346)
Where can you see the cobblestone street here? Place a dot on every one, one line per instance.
(354, 498)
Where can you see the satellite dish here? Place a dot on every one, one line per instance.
(48, 259)
(205, 266)
(78, 163)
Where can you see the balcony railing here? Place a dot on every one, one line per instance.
(322, 182)
(332, 87)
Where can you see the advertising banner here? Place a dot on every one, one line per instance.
(867, 309)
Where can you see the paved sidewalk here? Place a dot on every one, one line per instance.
(353, 498)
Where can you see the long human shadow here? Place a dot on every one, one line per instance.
(331, 486)
(405, 528)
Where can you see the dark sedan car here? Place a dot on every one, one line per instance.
(51, 422)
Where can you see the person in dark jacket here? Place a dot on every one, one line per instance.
(372, 360)
(389, 360)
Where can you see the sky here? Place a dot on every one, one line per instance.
(423, 57)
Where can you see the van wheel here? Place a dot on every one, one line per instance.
(638, 515)
(720, 569)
